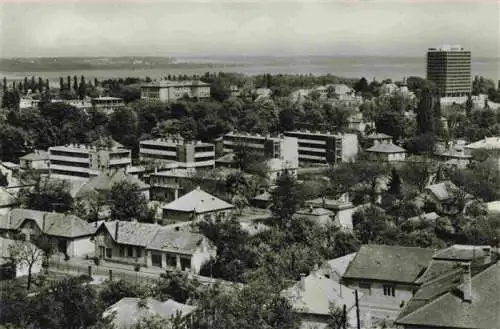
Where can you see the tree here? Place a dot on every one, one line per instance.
(417, 173)
(114, 291)
(368, 223)
(126, 201)
(337, 318)
(395, 183)
(25, 254)
(75, 84)
(49, 195)
(361, 86)
(286, 198)
(426, 122)
(176, 285)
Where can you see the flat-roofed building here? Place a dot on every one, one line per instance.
(284, 148)
(186, 154)
(325, 148)
(449, 67)
(168, 91)
(84, 161)
(108, 104)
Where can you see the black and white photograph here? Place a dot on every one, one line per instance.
(249, 164)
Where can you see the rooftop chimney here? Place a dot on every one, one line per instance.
(467, 283)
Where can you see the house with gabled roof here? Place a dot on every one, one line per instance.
(197, 205)
(446, 197)
(312, 296)
(152, 245)
(464, 297)
(69, 234)
(386, 276)
(388, 151)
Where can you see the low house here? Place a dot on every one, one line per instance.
(335, 268)
(197, 205)
(463, 297)
(262, 200)
(386, 276)
(446, 197)
(128, 311)
(489, 145)
(69, 234)
(342, 210)
(312, 296)
(455, 157)
(37, 160)
(320, 216)
(153, 245)
(9, 268)
(387, 151)
(379, 138)
(278, 167)
(105, 181)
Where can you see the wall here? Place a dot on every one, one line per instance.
(103, 238)
(343, 218)
(22, 268)
(380, 306)
(396, 157)
(80, 246)
(349, 147)
(201, 256)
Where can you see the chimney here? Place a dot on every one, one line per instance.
(487, 255)
(467, 283)
(302, 283)
(116, 230)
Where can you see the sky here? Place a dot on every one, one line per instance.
(198, 28)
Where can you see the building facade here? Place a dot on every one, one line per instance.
(283, 147)
(107, 104)
(168, 91)
(450, 68)
(185, 154)
(81, 162)
(325, 148)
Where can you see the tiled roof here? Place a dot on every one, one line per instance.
(437, 268)
(226, 158)
(443, 191)
(106, 180)
(449, 310)
(6, 199)
(314, 212)
(386, 148)
(56, 224)
(199, 202)
(173, 238)
(127, 311)
(459, 252)
(38, 155)
(488, 143)
(389, 263)
(314, 293)
(339, 265)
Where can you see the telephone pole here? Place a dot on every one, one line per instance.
(357, 308)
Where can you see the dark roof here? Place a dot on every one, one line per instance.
(389, 263)
(462, 252)
(449, 310)
(56, 224)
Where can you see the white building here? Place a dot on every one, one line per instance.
(176, 150)
(387, 151)
(168, 91)
(283, 148)
(81, 162)
(107, 104)
(37, 160)
(27, 102)
(490, 145)
(20, 267)
(325, 148)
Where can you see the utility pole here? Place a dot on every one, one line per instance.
(344, 317)
(357, 308)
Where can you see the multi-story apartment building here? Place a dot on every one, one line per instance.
(184, 153)
(168, 91)
(283, 147)
(107, 104)
(325, 148)
(81, 162)
(450, 68)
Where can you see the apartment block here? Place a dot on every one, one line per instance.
(450, 68)
(84, 161)
(325, 148)
(168, 91)
(107, 104)
(185, 154)
(282, 147)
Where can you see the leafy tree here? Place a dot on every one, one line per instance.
(361, 85)
(126, 201)
(425, 114)
(337, 319)
(49, 195)
(27, 255)
(368, 223)
(395, 183)
(417, 173)
(286, 198)
(176, 285)
(114, 291)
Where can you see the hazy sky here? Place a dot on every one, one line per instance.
(276, 27)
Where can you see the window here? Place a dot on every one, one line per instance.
(389, 290)
(109, 253)
(365, 287)
(130, 251)
(122, 251)
(156, 259)
(171, 260)
(185, 263)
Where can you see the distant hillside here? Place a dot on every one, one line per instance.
(47, 64)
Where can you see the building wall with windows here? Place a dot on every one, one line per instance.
(81, 162)
(325, 148)
(107, 104)
(450, 68)
(168, 91)
(177, 150)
